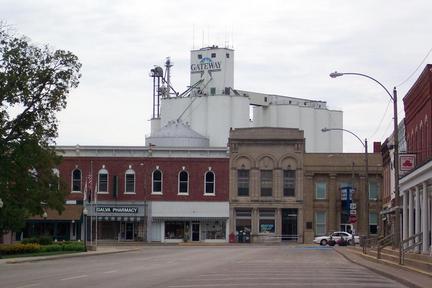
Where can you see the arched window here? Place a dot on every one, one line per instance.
(157, 182)
(183, 182)
(76, 180)
(130, 181)
(209, 186)
(103, 181)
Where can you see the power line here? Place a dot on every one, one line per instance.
(412, 74)
(381, 121)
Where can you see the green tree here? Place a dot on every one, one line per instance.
(34, 83)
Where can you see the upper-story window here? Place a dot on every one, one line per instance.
(183, 182)
(157, 182)
(320, 190)
(213, 55)
(130, 181)
(76, 180)
(209, 187)
(373, 190)
(266, 183)
(103, 181)
(289, 182)
(243, 182)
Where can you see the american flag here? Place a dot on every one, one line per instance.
(89, 181)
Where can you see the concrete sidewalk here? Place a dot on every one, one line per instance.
(100, 251)
(399, 274)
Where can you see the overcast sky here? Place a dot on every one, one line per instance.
(281, 47)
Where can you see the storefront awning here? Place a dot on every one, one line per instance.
(71, 212)
(159, 219)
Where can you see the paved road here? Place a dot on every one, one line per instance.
(181, 267)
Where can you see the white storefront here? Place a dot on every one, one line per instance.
(184, 221)
(416, 200)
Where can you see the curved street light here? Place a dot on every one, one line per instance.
(396, 149)
(365, 199)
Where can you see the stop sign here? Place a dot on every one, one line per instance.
(352, 219)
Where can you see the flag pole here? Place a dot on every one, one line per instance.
(95, 200)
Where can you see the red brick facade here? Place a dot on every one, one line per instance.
(418, 112)
(143, 168)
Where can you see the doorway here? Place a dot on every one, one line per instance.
(289, 224)
(129, 231)
(196, 231)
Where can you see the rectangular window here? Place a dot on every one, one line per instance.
(213, 55)
(243, 182)
(289, 183)
(103, 182)
(183, 182)
(320, 190)
(174, 229)
(266, 183)
(227, 55)
(157, 182)
(130, 183)
(266, 221)
(199, 56)
(373, 190)
(320, 223)
(373, 223)
(212, 91)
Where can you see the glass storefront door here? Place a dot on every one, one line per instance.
(289, 224)
(195, 231)
(129, 231)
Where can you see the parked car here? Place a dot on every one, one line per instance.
(336, 236)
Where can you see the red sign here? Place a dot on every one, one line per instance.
(407, 162)
(352, 219)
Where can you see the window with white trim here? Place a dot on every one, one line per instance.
(183, 182)
(130, 181)
(209, 186)
(103, 181)
(76, 180)
(320, 223)
(157, 182)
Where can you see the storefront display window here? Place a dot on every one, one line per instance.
(174, 229)
(267, 221)
(214, 230)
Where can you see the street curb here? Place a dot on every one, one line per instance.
(56, 257)
(381, 272)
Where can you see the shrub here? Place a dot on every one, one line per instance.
(42, 240)
(51, 248)
(73, 247)
(45, 240)
(30, 240)
(19, 248)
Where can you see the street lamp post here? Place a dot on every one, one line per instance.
(396, 149)
(85, 212)
(364, 205)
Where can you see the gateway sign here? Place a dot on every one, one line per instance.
(206, 64)
(133, 210)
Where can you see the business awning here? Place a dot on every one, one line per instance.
(71, 212)
(159, 219)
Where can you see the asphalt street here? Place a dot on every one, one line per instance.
(181, 267)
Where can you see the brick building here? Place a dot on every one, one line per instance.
(144, 194)
(415, 187)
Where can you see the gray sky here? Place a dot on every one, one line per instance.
(282, 47)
